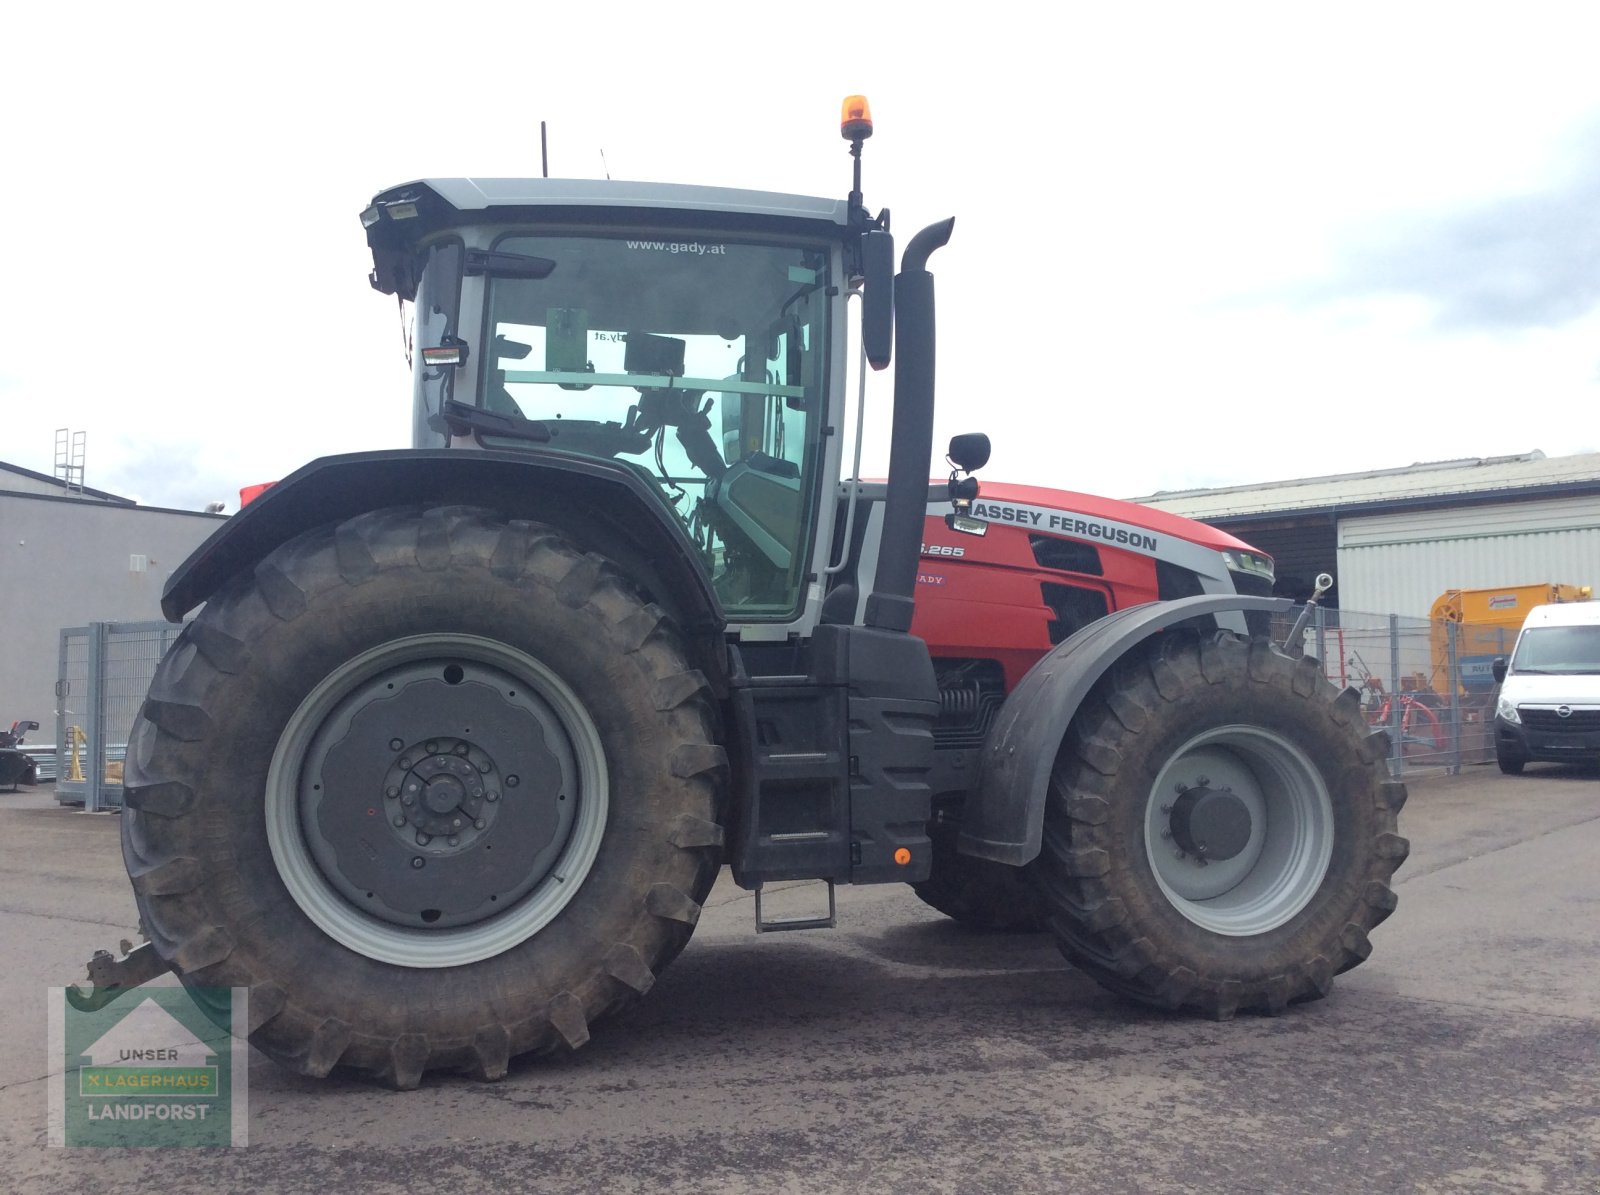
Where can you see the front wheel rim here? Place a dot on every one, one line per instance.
(1239, 830)
(300, 810)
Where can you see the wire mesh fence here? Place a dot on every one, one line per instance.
(103, 671)
(1427, 683)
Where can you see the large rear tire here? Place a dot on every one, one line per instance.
(438, 788)
(1221, 830)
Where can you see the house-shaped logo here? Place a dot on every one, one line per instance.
(166, 1067)
(149, 1036)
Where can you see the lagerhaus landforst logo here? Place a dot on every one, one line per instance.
(164, 1067)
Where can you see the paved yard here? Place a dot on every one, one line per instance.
(900, 1053)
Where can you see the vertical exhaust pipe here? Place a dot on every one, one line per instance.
(911, 446)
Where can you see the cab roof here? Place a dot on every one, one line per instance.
(482, 194)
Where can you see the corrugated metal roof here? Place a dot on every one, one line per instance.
(1410, 483)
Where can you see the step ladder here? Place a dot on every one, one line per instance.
(777, 924)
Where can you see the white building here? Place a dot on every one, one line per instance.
(71, 556)
(1396, 539)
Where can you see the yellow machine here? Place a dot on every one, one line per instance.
(1488, 621)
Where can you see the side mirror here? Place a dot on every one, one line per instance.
(1499, 670)
(877, 299)
(969, 452)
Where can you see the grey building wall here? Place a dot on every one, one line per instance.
(1401, 562)
(66, 561)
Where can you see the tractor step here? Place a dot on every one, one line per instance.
(776, 924)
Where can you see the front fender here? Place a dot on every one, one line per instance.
(1003, 817)
(602, 504)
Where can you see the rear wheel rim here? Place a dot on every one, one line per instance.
(1267, 805)
(542, 883)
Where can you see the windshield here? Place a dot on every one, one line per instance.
(1558, 649)
(702, 364)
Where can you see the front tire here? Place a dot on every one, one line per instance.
(1510, 763)
(1220, 831)
(437, 787)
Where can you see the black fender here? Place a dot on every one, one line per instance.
(602, 504)
(1003, 817)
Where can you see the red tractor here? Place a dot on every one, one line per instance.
(448, 761)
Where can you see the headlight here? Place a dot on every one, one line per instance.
(1249, 562)
(1508, 711)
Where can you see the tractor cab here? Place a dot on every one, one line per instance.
(686, 333)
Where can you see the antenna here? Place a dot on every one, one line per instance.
(603, 165)
(544, 152)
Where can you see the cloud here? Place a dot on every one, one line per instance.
(1521, 262)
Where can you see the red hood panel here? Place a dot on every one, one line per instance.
(1113, 508)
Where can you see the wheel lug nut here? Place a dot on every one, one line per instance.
(453, 840)
(1178, 854)
(455, 823)
(1203, 782)
(430, 747)
(391, 792)
(483, 766)
(417, 861)
(513, 780)
(1166, 833)
(491, 795)
(395, 744)
(460, 748)
(400, 820)
(408, 800)
(405, 761)
(1166, 809)
(423, 839)
(1181, 787)
(479, 824)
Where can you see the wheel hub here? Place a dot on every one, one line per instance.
(1211, 824)
(469, 773)
(382, 720)
(442, 788)
(1238, 829)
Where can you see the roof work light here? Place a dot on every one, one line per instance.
(855, 118)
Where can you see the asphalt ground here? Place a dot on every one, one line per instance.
(900, 1053)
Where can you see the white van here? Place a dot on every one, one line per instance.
(1549, 706)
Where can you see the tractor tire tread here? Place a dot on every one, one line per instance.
(173, 805)
(1080, 888)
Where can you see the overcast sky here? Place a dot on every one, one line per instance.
(1195, 244)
